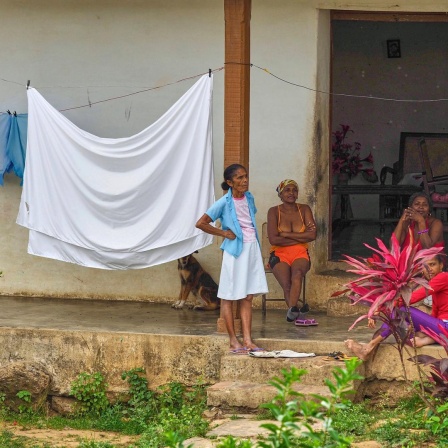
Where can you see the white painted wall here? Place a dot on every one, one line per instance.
(74, 52)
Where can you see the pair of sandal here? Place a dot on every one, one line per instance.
(305, 322)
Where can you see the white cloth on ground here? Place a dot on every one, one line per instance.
(124, 203)
(243, 275)
(281, 354)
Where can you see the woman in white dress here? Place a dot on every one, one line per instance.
(242, 271)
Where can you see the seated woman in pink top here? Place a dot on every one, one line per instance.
(438, 281)
(417, 226)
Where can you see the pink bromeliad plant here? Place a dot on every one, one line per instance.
(387, 279)
(438, 376)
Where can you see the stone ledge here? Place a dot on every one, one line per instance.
(248, 395)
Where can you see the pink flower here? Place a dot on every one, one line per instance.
(346, 156)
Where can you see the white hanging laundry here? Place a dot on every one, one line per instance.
(125, 203)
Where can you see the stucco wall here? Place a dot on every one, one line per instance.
(76, 52)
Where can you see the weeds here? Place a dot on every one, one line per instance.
(90, 391)
(295, 415)
(25, 396)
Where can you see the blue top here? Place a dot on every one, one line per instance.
(224, 210)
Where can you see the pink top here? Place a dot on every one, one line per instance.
(243, 215)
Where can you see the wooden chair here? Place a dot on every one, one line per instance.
(434, 159)
(265, 246)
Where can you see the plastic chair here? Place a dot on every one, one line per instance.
(265, 246)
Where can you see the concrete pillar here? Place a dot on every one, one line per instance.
(236, 97)
(237, 82)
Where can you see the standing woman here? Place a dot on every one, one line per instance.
(417, 226)
(242, 271)
(291, 227)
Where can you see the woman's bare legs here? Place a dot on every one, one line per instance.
(282, 273)
(290, 279)
(227, 315)
(420, 341)
(299, 268)
(246, 321)
(363, 351)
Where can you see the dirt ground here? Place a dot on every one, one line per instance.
(67, 438)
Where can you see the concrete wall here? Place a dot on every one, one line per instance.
(166, 358)
(76, 52)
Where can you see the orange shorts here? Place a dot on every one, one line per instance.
(288, 254)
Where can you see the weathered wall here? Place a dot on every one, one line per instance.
(166, 358)
(76, 52)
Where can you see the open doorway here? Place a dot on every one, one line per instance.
(379, 62)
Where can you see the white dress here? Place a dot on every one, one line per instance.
(243, 275)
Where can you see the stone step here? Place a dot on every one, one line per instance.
(248, 395)
(261, 370)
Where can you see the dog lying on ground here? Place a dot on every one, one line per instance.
(194, 279)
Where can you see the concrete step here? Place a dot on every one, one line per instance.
(249, 395)
(261, 370)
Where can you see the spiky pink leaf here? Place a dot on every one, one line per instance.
(360, 318)
(383, 298)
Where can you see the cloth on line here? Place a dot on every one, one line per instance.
(123, 203)
(13, 138)
(281, 354)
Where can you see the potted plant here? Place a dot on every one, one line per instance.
(346, 158)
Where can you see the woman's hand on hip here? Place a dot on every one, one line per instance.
(229, 234)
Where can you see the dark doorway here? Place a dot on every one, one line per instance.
(371, 93)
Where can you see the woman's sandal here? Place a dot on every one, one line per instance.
(305, 322)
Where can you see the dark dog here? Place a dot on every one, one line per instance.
(194, 279)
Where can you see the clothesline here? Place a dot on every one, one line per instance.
(252, 65)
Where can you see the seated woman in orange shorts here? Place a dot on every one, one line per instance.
(291, 227)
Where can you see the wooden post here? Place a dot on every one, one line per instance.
(236, 98)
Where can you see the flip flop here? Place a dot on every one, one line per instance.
(239, 351)
(342, 357)
(337, 356)
(257, 349)
(305, 322)
(334, 354)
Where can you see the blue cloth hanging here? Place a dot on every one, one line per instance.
(13, 137)
(5, 161)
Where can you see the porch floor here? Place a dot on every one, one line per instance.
(160, 318)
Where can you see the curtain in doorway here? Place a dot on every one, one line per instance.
(125, 203)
